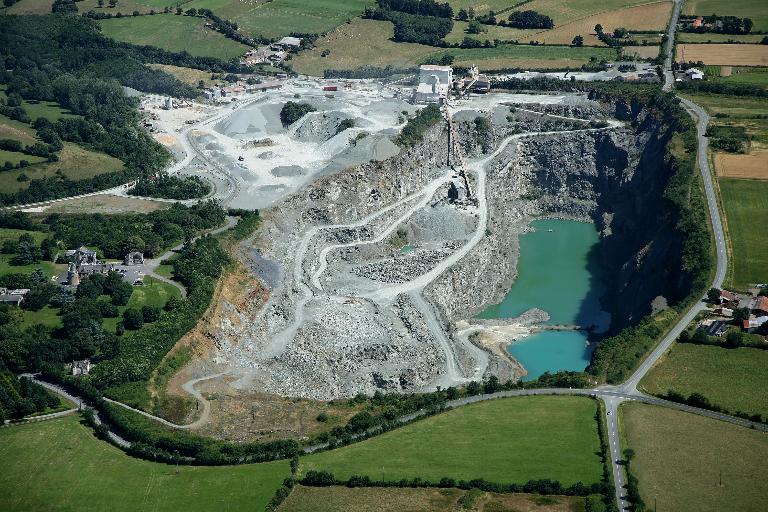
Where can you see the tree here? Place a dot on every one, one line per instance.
(629, 454)
(577, 41)
(599, 29)
(133, 319)
(713, 295)
(101, 3)
(150, 313)
(112, 3)
(474, 27)
(734, 339)
(463, 15)
(740, 314)
(748, 24)
(179, 10)
(191, 12)
(619, 32)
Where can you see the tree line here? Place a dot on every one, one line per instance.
(171, 187)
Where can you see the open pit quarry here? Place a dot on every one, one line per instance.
(377, 258)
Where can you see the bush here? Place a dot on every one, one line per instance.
(292, 112)
(150, 313)
(414, 130)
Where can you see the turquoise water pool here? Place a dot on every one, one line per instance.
(557, 272)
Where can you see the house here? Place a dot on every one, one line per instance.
(717, 328)
(13, 300)
(133, 258)
(81, 367)
(753, 322)
(697, 23)
(760, 307)
(694, 74)
(723, 311)
(434, 84)
(726, 297)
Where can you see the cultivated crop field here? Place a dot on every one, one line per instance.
(322, 499)
(506, 440)
(724, 54)
(525, 56)
(680, 458)
(730, 378)
(173, 33)
(59, 465)
(691, 37)
(758, 11)
(649, 17)
(751, 166)
(746, 211)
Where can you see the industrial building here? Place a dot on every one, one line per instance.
(434, 84)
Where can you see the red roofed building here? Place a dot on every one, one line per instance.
(697, 22)
(726, 296)
(761, 306)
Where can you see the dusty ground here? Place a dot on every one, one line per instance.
(752, 166)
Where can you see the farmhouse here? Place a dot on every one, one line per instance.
(287, 43)
(434, 84)
(12, 297)
(133, 258)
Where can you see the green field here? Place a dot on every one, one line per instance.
(730, 378)
(490, 32)
(281, 17)
(6, 267)
(153, 293)
(58, 465)
(680, 458)
(173, 33)
(751, 76)
(746, 211)
(506, 440)
(758, 11)
(74, 162)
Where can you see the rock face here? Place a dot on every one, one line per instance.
(328, 331)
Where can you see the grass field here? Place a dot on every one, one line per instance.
(490, 32)
(751, 76)
(322, 499)
(560, 12)
(731, 378)
(47, 109)
(281, 17)
(758, 11)
(173, 33)
(360, 43)
(746, 211)
(680, 458)
(15, 157)
(14, 234)
(124, 6)
(58, 465)
(506, 440)
(153, 293)
(751, 113)
(47, 316)
(74, 162)
(6, 267)
(724, 54)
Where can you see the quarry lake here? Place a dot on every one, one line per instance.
(557, 272)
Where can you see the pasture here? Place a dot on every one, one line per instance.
(356, 44)
(691, 37)
(58, 465)
(280, 18)
(758, 11)
(173, 33)
(373, 499)
(506, 440)
(731, 378)
(680, 459)
(74, 162)
(724, 54)
(746, 213)
(153, 293)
